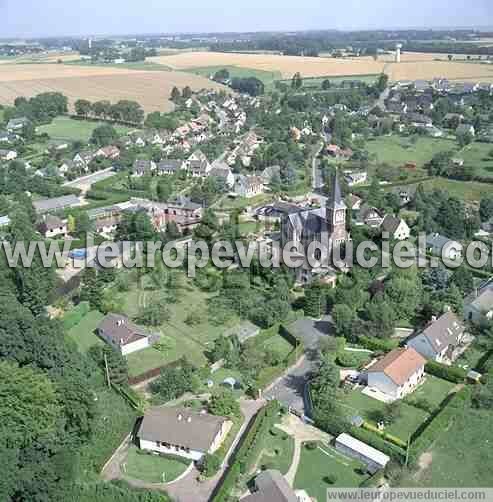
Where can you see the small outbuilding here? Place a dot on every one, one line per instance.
(354, 448)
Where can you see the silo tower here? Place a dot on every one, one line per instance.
(398, 48)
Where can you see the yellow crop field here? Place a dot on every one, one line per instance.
(413, 66)
(149, 88)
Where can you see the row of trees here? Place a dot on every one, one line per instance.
(39, 109)
(123, 110)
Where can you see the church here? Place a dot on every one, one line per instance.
(325, 226)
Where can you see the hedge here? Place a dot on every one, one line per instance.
(388, 437)
(377, 344)
(453, 374)
(248, 452)
(379, 443)
(424, 437)
(75, 315)
(374, 480)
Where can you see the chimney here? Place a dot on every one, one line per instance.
(180, 417)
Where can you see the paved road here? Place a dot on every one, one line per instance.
(85, 182)
(317, 178)
(290, 389)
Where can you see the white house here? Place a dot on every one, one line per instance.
(355, 177)
(122, 334)
(478, 306)
(397, 228)
(182, 432)
(397, 373)
(8, 155)
(440, 245)
(52, 226)
(440, 337)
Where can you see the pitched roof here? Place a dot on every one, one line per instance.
(271, 487)
(443, 332)
(121, 329)
(399, 364)
(335, 199)
(50, 222)
(484, 301)
(45, 205)
(390, 223)
(181, 427)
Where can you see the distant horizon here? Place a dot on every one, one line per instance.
(30, 19)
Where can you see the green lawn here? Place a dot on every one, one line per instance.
(140, 65)
(316, 464)
(83, 333)
(68, 129)
(462, 455)
(397, 150)
(434, 390)
(277, 452)
(464, 190)
(150, 467)
(411, 418)
(267, 77)
(478, 156)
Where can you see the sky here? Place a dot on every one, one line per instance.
(33, 18)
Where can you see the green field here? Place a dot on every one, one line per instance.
(464, 190)
(462, 455)
(68, 129)
(397, 150)
(152, 468)
(336, 82)
(316, 465)
(140, 65)
(277, 452)
(478, 156)
(83, 333)
(267, 77)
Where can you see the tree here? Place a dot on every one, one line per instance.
(164, 190)
(224, 404)
(210, 464)
(297, 81)
(382, 82)
(464, 138)
(313, 304)
(104, 135)
(175, 381)
(82, 225)
(155, 313)
(483, 394)
(175, 94)
(221, 75)
(107, 357)
(101, 108)
(91, 288)
(343, 317)
(187, 92)
(83, 107)
(486, 208)
(463, 279)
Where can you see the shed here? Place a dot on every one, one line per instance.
(373, 458)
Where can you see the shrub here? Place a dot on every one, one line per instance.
(347, 360)
(378, 442)
(74, 316)
(330, 479)
(377, 343)
(210, 465)
(451, 373)
(311, 445)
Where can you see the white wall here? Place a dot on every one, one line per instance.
(383, 383)
(153, 446)
(135, 346)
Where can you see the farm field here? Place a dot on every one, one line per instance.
(149, 88)
(462, 456)
(267, 77)
(316, 465)
(68, 129)
(422, 68)
(397, 150)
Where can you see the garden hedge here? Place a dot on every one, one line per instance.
(453, 374)
(377, 344)
(379, 443)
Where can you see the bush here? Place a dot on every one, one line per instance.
(311, 445)
(378, 442)
(210, 465)
(451, 373)
(347, 360)
(377, 344)
(330, 479)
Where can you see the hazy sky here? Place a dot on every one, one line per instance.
(19, 18)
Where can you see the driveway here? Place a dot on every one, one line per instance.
(290, 388)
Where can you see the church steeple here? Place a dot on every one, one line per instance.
(336, 207)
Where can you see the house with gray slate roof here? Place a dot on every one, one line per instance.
(122, 334)
(440, 338)
(181, 431)
(271, 486)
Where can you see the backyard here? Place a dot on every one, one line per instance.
(68, 129)
(152, 468)
(83, 333)
(318, 464)
(277, 452)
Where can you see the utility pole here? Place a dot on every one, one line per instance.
(107, 371)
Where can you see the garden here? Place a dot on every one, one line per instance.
(324, 467)
(277, 452)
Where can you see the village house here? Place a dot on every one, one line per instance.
(143, 167)
(182, 432)
(478, 306)
(108, 152)
(369, 216)
(51, 226)
(17, 124)
(338, 152)
(223, 172)
(169, 167)
(182, 211)
(248, 186)
(273, 213)
(353, 178)
(106, 225)
(8, 137)
(82, 159)
(122, 334)
(397, 373)
(271, 486)
(396, 227)
(440, 338)
(269, 173)
(440, 245)
(8, 155)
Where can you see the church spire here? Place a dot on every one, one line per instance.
(335, 200)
